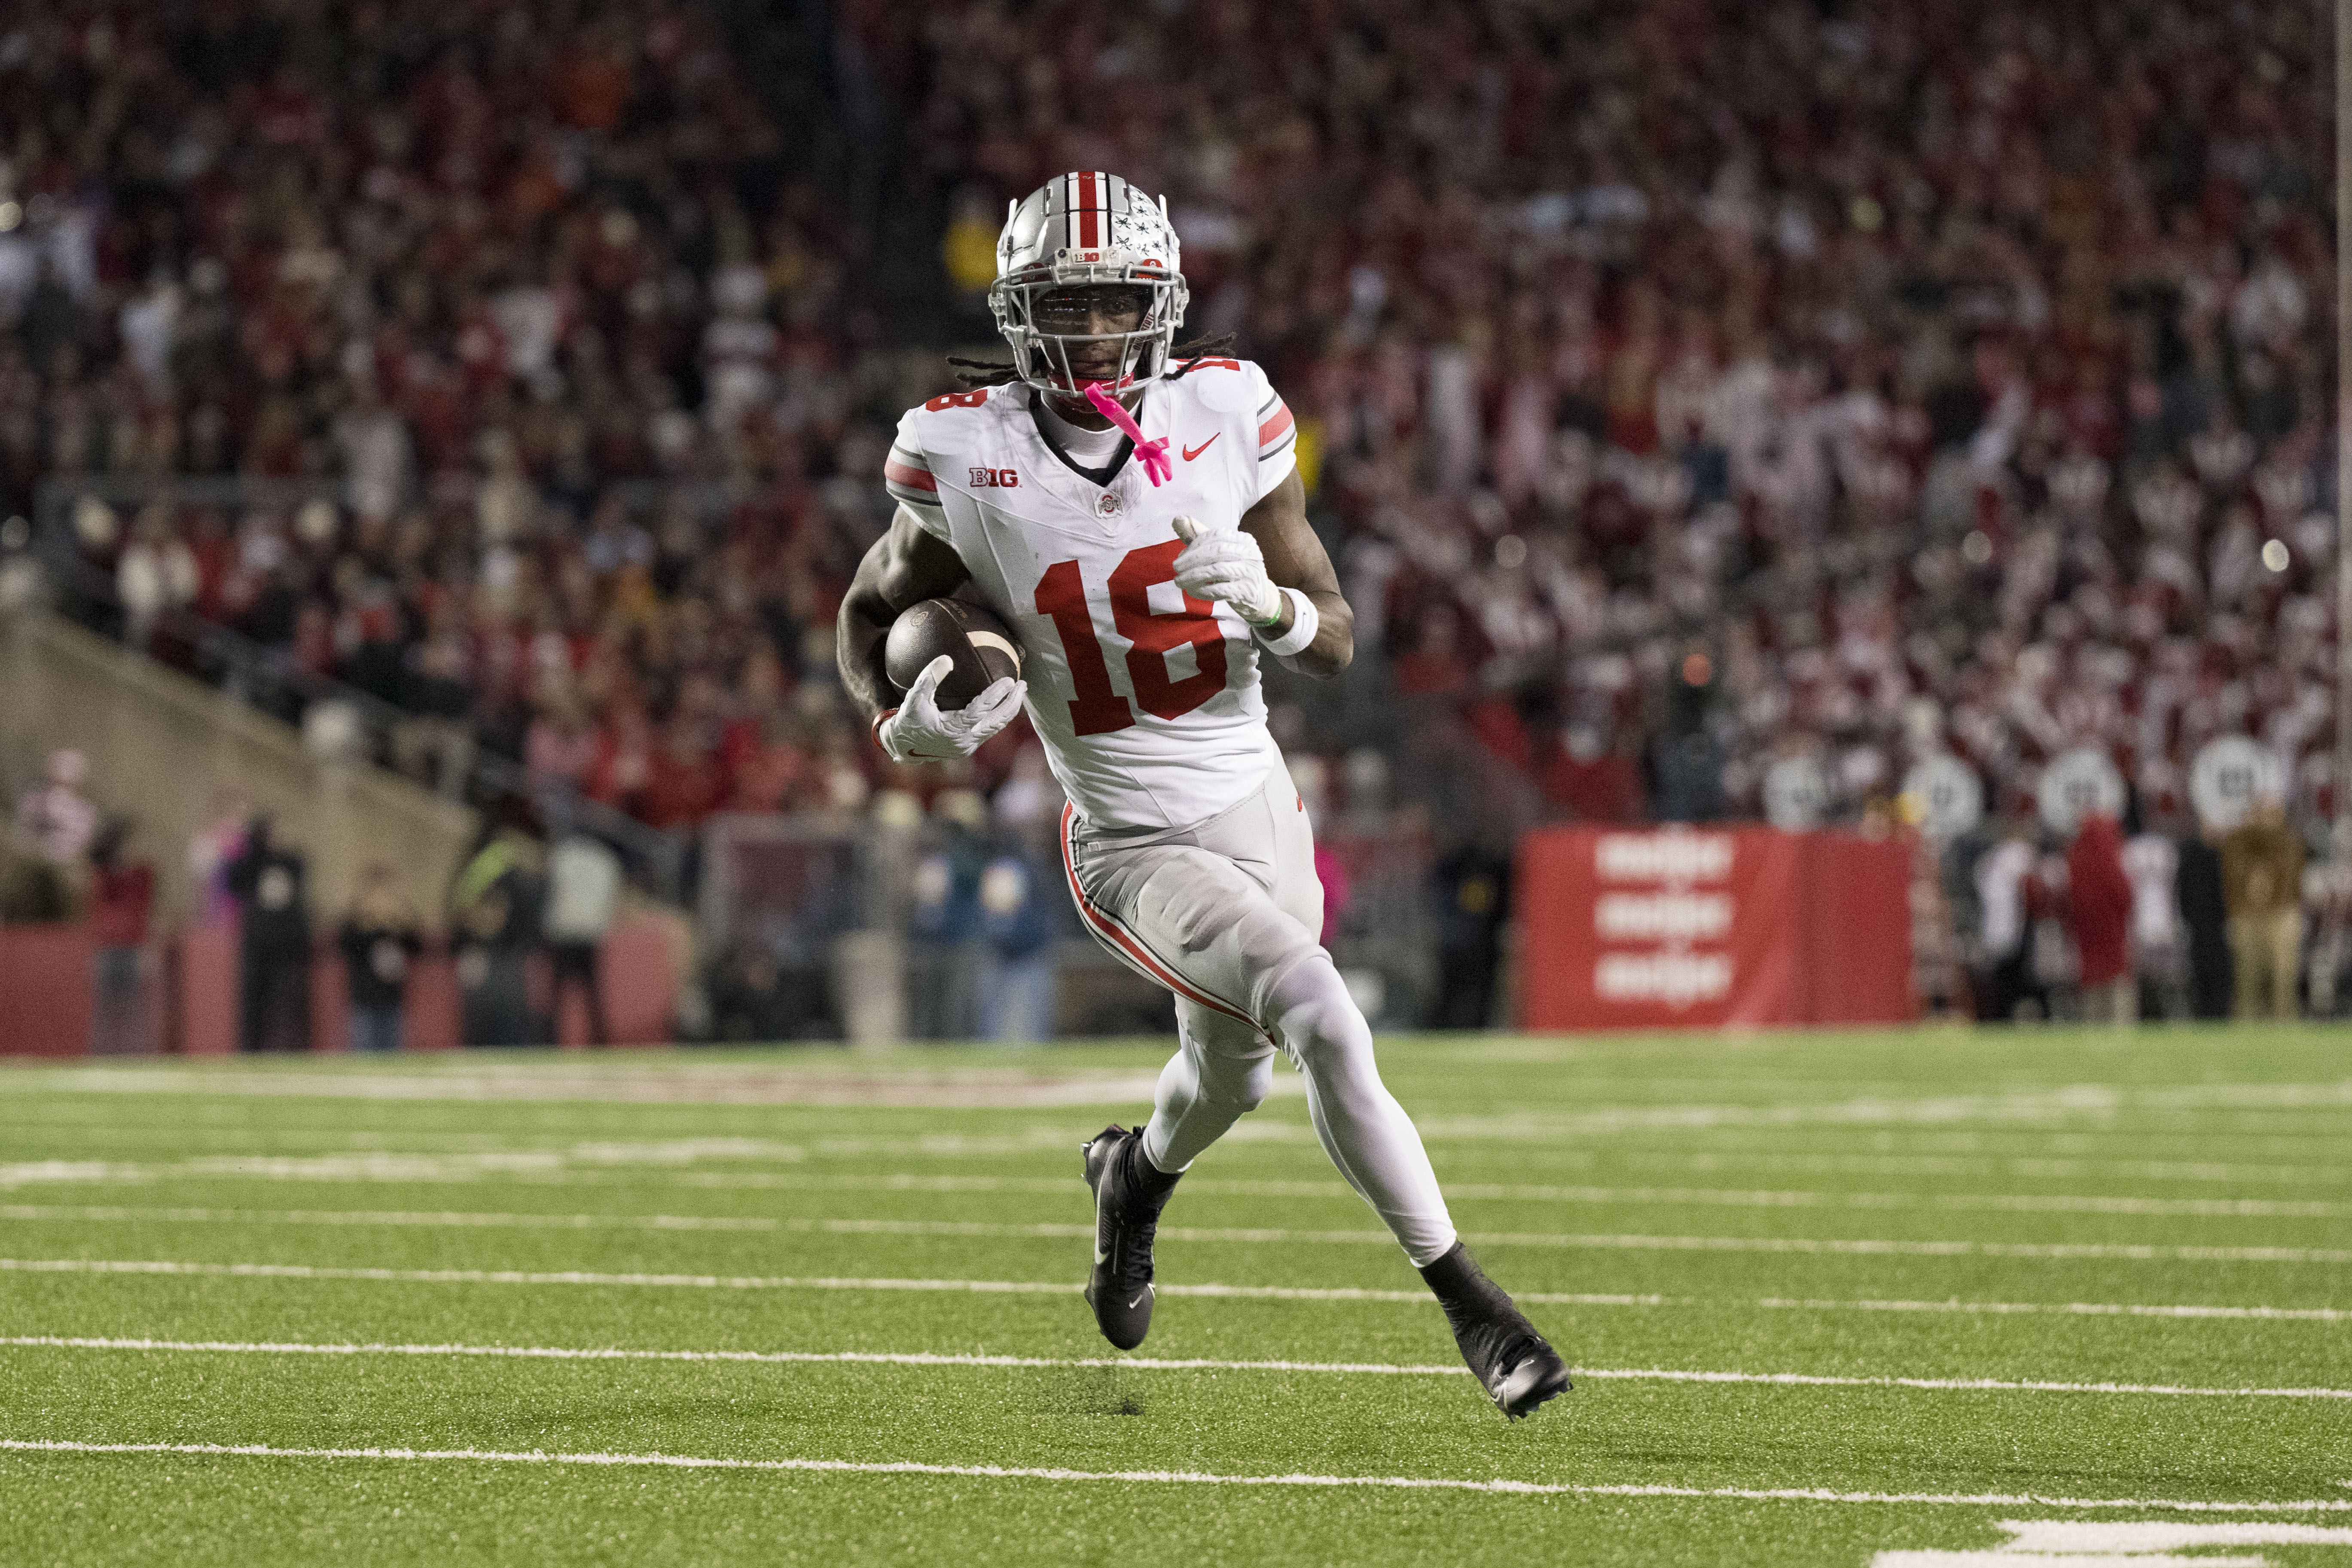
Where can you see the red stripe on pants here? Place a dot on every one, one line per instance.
(1107, 929)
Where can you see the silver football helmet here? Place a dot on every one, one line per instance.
(1085, 230)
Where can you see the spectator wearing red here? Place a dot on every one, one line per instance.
(121, 902)
(2099, 900)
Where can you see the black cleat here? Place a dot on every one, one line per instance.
(1515, 1364)
(1128, 1195)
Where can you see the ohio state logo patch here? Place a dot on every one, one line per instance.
(1106, 504)
(994, 479)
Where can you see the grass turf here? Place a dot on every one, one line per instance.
(1849, 1206)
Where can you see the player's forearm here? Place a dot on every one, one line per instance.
(1334, 648)
(859, 633)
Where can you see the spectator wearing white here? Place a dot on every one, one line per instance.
(2327, 907)
(583, 893)
(2152, 864)
(55, 825)
(2001, 877)
(155, 573)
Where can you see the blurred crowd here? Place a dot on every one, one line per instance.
(539, 284)
(1695, 384)
(1681, 388)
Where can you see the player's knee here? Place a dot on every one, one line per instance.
(1320, 1024)
(1238, 1087)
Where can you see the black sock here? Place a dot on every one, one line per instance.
(1148, 1177)
(1461, 1285)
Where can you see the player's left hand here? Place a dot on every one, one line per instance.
(1225, 566)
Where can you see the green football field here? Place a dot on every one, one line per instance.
(1851, 1298)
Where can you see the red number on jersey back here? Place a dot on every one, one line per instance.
(972, 399)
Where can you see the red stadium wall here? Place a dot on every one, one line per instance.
(46, 974)
(1690, 928)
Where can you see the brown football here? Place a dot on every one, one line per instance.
(983, 647)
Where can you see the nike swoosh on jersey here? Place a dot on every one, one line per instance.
(1193, 452)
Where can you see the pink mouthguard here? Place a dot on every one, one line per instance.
(1153, 455)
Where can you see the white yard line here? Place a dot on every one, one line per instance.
(1149, 1364)
(1006, 1472)
(729, 1083)
(1206, 1291)
(456, 1219)
(473, 1219)
(562, 1164)
(618, 1080)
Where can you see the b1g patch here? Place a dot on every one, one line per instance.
(994, 479)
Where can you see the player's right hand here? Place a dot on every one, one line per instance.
(918, 731)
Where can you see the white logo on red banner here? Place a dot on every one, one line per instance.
(1667, 922)
(1668, 857)
(1677, 980)
(1663, 916)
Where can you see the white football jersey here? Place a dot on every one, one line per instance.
(1148, 700)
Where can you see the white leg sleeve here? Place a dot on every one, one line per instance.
(1220, 1072)
(1363, 1128)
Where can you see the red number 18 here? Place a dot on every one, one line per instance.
(1097, 708)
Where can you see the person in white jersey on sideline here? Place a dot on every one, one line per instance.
(1134, 510)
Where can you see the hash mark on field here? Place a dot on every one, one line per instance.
(1006, 1472)
(1052, 1288)
(1150, 1363)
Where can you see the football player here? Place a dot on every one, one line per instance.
(1135, 509)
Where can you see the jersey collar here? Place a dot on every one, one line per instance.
(1101, 477)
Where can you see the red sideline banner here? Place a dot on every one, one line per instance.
(1700, 928)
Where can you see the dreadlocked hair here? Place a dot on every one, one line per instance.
(975, 373)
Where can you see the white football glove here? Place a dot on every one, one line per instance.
(918, 731)
(1225, 565)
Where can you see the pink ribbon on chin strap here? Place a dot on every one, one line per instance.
(1153, 455)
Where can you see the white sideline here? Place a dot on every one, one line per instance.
(1200, 1477)
(1049, 1288)
(1149, 1364)
(2125, 1251)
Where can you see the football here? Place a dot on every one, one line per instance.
(983, 647)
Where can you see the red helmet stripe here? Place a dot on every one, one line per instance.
(1087, 230)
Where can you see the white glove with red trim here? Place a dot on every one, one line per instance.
(918, 731)
(1225, 566)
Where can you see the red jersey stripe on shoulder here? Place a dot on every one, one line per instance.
(1275, 428)
(899, 473)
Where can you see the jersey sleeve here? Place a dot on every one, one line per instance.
(1278, 435)
(906, 474)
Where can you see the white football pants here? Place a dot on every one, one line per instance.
(1226, 914)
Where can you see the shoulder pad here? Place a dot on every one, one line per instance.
(950, 420)
(1225, 385)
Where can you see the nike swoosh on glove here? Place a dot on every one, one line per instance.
(919, 733)
(1226, 566)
